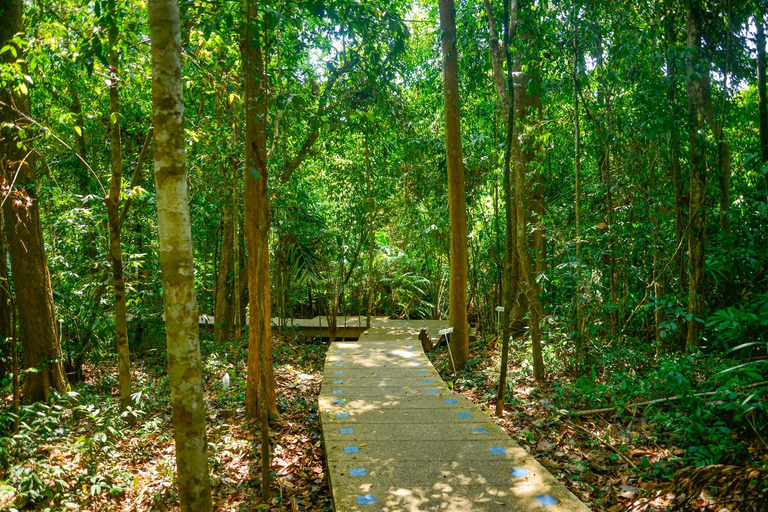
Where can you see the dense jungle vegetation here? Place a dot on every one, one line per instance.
(596, 168)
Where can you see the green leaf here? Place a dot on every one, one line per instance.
(78, 130)
(255, 173)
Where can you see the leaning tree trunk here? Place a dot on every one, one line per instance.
(34, 296)
(696, 208)
(457, 303)
(257, 217)
(184, 360)
(113, 216)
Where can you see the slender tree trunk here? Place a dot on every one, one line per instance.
(526, 102)
(580, 342)
(370, 231)
(457, 206)
(113, 216)
(222, 315)
(34, 296)
(5, 305)
(257, 214)
(509, 288)
(762, 101)
(696, 209)
(658, 255)
(237, 317)
(181, 324)
(675, 168)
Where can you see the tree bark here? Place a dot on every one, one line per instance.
(113, 216)
(370, 232)
(457, 205)
(527, 102)
(674, 166)
(5, 305)
(257, 215)
(34, 296)
(696, 210)
(762, 101)
(222, 315)
(176, 261)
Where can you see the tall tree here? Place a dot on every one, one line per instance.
(697, 125)
(257, 212)
(184, 360)
(762, 99)
(457, 203)
(113, 211)
(34, 295)
(528, 188)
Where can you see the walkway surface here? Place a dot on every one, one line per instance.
(396, 438)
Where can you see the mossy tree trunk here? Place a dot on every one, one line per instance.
(697, 129)
(113, 214)
(184, 360)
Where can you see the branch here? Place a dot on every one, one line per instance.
(291, 165)
(592, 412)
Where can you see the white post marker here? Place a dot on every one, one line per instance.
(499, 311)
(446, 332)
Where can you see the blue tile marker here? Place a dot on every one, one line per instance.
(423, 372)
(357, 472)
(434, 392)
(338, 381)
(479, 431)
(498, 450)
(340, 401)
(351, 449)
(547, 500)
(463, 415)
(451, 401)
(338, 392)
(415, 364)
(342, 415)
(338, 373)
(409, 344)
(366, 499)
(339, 351)
(428, 381)
(519, 472)
(346, 431)
(338, 365)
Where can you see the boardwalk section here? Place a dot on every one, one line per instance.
(397, 438)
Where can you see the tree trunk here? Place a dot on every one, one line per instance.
(457, 204)
(527, 101)
(674, 168)
(222, 315)
(580, 341)
(762, 102)
(370, 231)
(176, 261)
(34, 296)
(257, 215)
(510, 286)
(113, 216)
(696, 209)
(5, 305)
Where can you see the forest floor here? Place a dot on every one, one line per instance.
(86, 457)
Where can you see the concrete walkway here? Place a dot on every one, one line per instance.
(396, 438)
